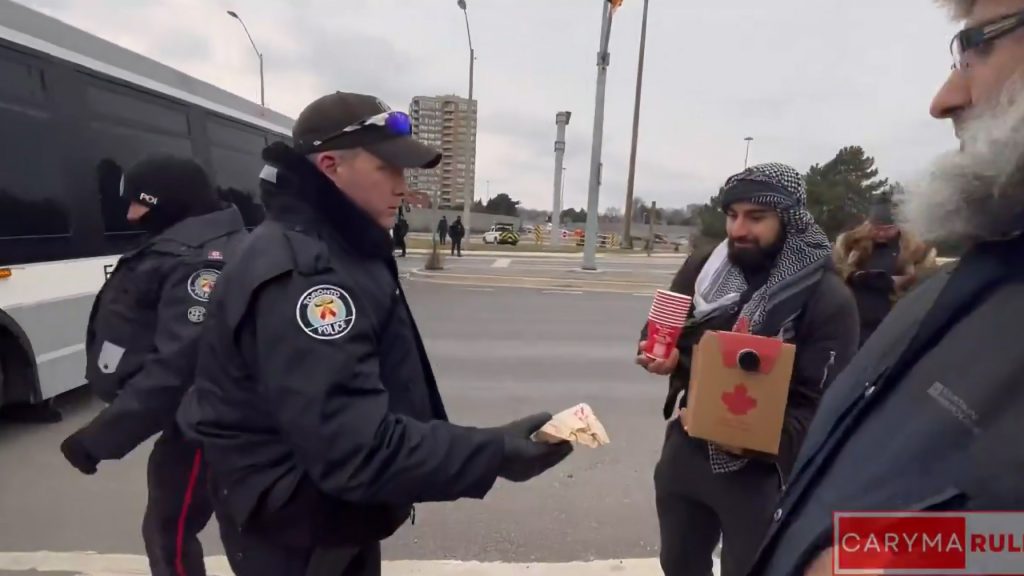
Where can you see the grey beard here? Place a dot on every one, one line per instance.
(976, 193)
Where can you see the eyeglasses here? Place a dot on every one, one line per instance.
(976, 39)
(395, 122)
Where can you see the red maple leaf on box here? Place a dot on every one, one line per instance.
(739, 402)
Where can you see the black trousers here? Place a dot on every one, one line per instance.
(457, 245)
(696, 506)
(178, 508)
(251, 555)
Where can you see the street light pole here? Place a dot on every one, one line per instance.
(561, 121)
(233, 14)
(467, 209)
(746, 158)
(603, 58)
(627, 232)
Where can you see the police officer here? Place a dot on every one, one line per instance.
(141, 349)
(316, 404)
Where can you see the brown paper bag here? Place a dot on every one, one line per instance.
(578, 425)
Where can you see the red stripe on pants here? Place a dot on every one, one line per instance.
(179, 548)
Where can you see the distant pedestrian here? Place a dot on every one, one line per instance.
(457, 232)
(442, 229)
(881, 262)
(398, 233)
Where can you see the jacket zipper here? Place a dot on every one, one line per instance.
(782, 480)
(828, 368)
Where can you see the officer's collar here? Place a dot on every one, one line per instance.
(198, 230)
(294, 191)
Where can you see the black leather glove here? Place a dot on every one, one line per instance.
(525, 459)
(78, 455)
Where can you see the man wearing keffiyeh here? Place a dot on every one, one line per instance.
(775, 270)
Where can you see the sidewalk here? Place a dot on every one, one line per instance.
(92, 564)
(561, 255)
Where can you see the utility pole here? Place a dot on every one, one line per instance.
(603, 59)
(746, 158)
(561, 121)
(627, 233)
(467, 208)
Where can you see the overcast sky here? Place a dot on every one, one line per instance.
(802, 77)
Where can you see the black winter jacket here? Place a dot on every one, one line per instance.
(824, 334)
(315, 401)
(927, 417)
(144, 328)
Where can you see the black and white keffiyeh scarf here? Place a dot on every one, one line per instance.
(798, 266)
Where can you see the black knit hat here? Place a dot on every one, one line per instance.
(172, 187)
(881, 211)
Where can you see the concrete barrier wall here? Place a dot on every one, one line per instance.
(424, 220)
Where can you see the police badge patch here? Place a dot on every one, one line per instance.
(196, 314)
(325, 312)
(202, 282)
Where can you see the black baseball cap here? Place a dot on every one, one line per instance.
(322, 127)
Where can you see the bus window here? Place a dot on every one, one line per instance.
(32, 202)
(126, 126)
(235, 152)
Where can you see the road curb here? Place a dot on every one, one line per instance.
(586, 285)
(93, 564)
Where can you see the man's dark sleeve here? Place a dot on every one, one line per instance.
(331, 406)
(149, 399)
(827, 341)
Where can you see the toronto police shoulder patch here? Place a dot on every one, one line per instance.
(325, 312)
(202, 282)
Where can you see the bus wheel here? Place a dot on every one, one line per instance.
(42, 413)
(16, 386)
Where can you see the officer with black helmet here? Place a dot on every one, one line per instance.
(141, 348)
(315, 402)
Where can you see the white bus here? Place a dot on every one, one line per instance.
(75, 110)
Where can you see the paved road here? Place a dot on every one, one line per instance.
(500, 353)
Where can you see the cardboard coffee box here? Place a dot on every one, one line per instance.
(739, 384)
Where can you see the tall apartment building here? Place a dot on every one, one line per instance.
(449, 124)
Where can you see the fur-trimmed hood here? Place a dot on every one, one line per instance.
(853, 250)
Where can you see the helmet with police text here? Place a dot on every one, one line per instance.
(173, 188)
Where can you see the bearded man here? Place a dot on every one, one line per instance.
(927, 417)
(775, 271)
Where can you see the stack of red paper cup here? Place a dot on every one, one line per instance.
(665, 323)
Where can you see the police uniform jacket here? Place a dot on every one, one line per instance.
(143, 329)
(927, 416)
(314, 374)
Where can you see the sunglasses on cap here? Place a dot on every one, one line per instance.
(395, 122)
